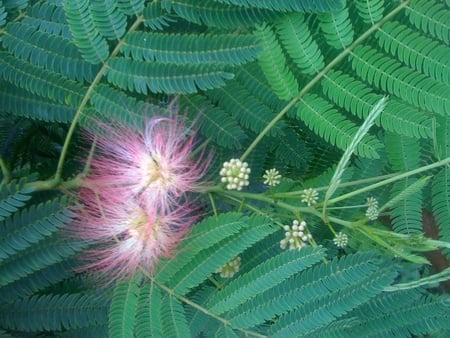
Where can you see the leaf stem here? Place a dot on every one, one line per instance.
(85, 100)
(320, 75)
(390, 180)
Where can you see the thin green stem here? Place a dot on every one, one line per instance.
(85, 100)
(320, 75)
(5, 171)
(390, 180)
(296, 193)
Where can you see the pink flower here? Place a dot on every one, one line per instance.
(154, 163)
(127, 236)
(134, 209)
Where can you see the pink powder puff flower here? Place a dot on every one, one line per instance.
(126, 235)
(153, 163)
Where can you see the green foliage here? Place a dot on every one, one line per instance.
(54, 312)
(123, 309)
(273, 64)
(13, 197)
(280, 84)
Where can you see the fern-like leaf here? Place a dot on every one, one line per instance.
(264, 277)
(273, 65)
(123, 309)
(431, 17)
(131, 7)
(177, 48)
(155, 17)
(48, 51)
(415, 50)
(92, 45)
(290, 149)
(38, 281)
(142, 76)
(356, 97)
(3, 14)
(337, 28)
(115, 105)
(16, 4)
(109, 21)
(49, 18)
(19, 102)
(214, 14)
(247, 109)
(289, 5)
(316, 312)
(296, 38)
(209, 260)
(39, 81)
(441, 203)
(53, 312)
(204, 235)
(370, 11)
(13, 196)
(174, 323)
(391, 76)
(315, 284)
(49, 251)
(399, 314)
(216, 124)
(30, 226)
(321, 117)
(148, 316)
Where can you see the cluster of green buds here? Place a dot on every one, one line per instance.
(231, 268)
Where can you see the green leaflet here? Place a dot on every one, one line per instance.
(144, 77)
(148, 317)
(404, 312)
(3, 14)
(215, 124)
(337, 28)
(177, 48)
(314, 312)
(54, 312)
(215, 14)
(264, 277)
(244, 107)
(20, 102)
(173, 318)
(209, 260)
(205, 235)
(431, 17)
(13, 197)
(108, 19)
(356, 97)
(302, 48)
(123, 308)
(371, 11)
(155, 17)
(131, 7)
(391, 76)
(289, 5)
(273, 64)
(87, 38)
(417, 51)
(322, 118)
(441, 202)
(29, 226)
(46, 84)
